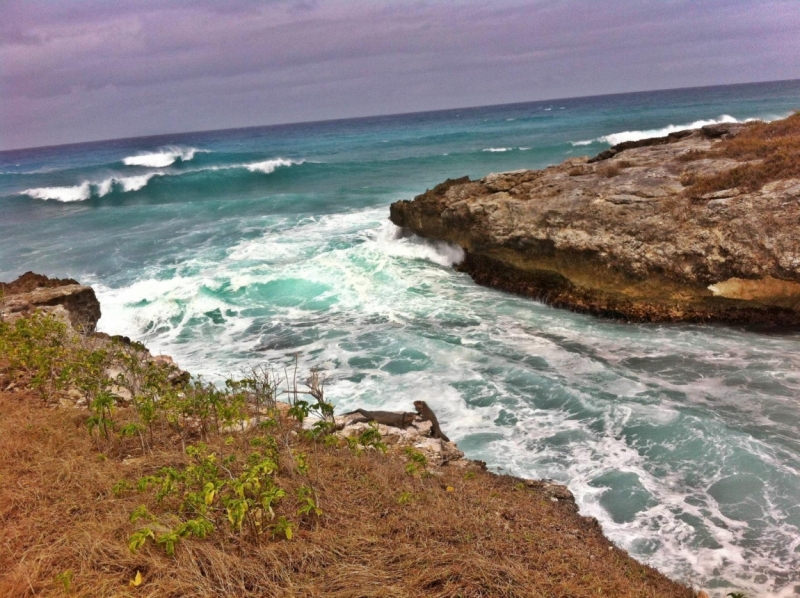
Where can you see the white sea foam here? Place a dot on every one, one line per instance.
(134, 183)
(64, 194)
(498, 149)
(162, 158)
(88, 189)
(586, 408)
(269, 166)
(615, 138)
(393, 241)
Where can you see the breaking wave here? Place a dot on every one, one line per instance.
(504, 149)
(88, 189)
(66, 194)
(268, 166)
(615, 138)
(163, 157)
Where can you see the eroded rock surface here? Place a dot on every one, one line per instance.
(63, 297)
(617, 235)
(438, 452)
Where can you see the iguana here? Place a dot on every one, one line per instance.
(425, 412)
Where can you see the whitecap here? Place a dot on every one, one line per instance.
(163, 157)
(80, 192)
(87, 189)
(497, 149)
(393, 241)
(615, 138)
(134, 183)
(269, 166)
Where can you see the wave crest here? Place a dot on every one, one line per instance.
(615, 138)
(269, 166)
(163, 157)
(88, 189)
(65, 194)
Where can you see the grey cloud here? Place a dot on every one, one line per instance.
(189, 59)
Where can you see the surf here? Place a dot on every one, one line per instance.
(162, 158)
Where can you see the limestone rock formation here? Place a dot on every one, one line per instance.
(620, 235)
(65, 297)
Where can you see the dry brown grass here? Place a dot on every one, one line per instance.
(771, 152)
(611, 170)
(488, 536)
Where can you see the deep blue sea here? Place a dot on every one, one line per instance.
(237, 247)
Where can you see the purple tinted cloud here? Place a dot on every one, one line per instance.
(98, 69)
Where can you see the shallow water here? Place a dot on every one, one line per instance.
(231, 248)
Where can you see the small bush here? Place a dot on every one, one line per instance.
(611, 171)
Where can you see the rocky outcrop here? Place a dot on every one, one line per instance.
(618, 235)
(439, 452)
(64, 297)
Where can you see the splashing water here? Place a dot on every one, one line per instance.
(682, 440)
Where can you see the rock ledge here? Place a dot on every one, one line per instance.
(618, 235)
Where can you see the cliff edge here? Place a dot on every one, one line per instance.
(698, 226)
(164, 485)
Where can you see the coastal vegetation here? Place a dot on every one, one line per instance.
(767, 151)
(121, 476)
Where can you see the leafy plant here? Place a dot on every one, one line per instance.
(212, 490)
(405, 498)
(417, 461)
(65, 579)
(369, 438)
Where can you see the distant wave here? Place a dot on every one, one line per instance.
(163, 157)
(616, 138)
(88, 189)
(268, 166)
(504, 149)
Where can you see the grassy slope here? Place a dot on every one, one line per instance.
(487, 536)
(768, 152)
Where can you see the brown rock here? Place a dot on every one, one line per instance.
(617, 236)
(31, 292)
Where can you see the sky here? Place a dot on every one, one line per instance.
(81, 70)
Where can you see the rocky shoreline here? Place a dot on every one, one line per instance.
(77, 305)
(631, 234)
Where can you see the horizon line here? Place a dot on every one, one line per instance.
(385, 115)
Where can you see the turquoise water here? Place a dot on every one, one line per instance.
(234, 247)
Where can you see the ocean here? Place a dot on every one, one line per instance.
(233, 248)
